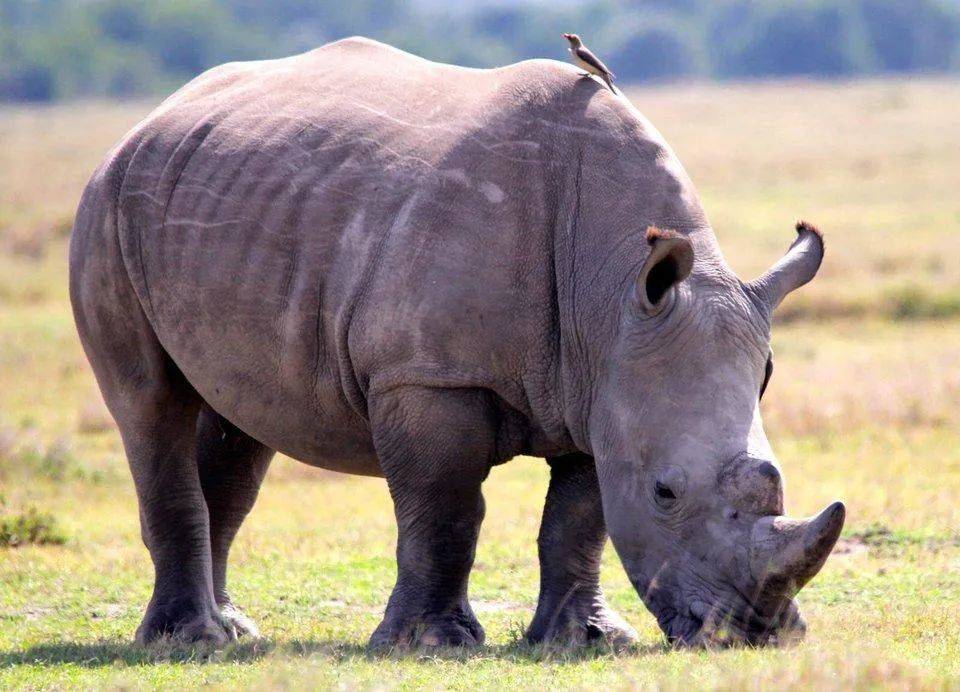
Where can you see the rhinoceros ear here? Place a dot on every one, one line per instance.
(669, 262)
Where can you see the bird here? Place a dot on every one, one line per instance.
(585, 59)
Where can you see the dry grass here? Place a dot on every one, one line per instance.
(46, 156)
(874, 164)
(864, 405)
(93, 417)
(851, 374)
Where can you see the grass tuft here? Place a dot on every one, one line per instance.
(30, 527)
(55, 463)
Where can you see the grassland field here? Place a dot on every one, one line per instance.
(864, 406)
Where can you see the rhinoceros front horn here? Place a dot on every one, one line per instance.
(786, 553)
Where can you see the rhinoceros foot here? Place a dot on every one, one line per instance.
(578, 623)
(237, 620)
(455, 629)
(207, 627)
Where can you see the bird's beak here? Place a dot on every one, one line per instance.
(566, 36)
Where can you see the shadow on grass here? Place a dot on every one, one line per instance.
(115, 652)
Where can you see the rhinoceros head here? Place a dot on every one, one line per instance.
(692, 493)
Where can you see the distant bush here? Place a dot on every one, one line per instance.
(31, 526)
(655, 48)
(784, 39)
(906, 302)
(54, 463)
(26, 460)
(913, 302)
(911, 35)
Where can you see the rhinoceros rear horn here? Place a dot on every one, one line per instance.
(786, 553)
(794, 269)
(670, 261)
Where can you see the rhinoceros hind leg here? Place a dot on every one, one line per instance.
(158, 425)
(435, 448)
(157, 417)
(571, 610)
(156, 412)
(232, 466)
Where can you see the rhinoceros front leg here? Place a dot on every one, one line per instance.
(435, 448)
(232, 466)
(571, 609)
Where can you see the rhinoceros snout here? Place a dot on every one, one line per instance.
(784, 555)
(707, 626)
(790, 627)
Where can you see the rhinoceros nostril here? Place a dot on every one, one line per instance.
(706, 619)
(700, 610)
(767, 470)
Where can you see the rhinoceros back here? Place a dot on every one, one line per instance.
(301, 232)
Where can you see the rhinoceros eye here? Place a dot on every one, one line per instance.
(665, 496)
(664, 493)
(767, 374)
(669, 487)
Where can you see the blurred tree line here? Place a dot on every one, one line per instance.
(53, 49)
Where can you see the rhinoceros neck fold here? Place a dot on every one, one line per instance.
(620, 179)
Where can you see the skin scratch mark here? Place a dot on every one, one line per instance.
(492, 192)
(458, 130)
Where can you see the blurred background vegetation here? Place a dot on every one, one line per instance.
(61, 49)
(864, 405)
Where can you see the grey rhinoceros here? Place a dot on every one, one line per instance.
(387, 266)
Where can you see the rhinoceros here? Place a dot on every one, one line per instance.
(386, 266)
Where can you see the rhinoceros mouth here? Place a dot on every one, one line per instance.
(712, 627)
(726, 618)
(683, 631)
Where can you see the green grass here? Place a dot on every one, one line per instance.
(864, 406)
(30, 527)
(316, 583)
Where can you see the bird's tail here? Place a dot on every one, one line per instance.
(609, 80)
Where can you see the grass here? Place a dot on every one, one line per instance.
(864, 406)
(30, 527)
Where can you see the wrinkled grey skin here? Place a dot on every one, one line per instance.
(385, 266)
